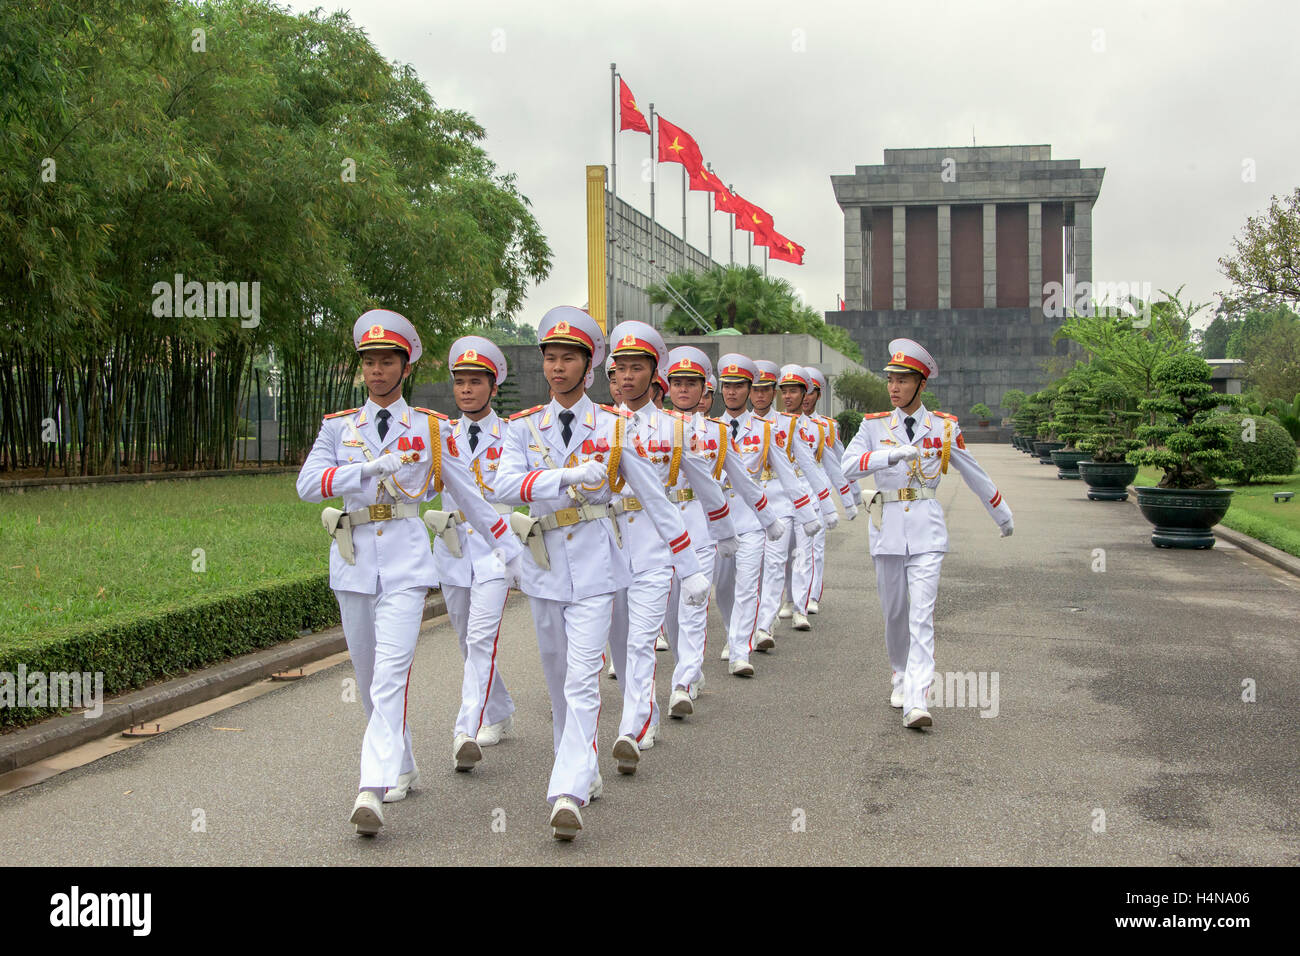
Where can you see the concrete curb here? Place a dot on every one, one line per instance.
(27, 746)
(1265, 552)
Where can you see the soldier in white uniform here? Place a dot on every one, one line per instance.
(908, 451)
(384, 459)
(473, 583)
(793, 383)
(776, 553)
(641, 358)
(565, 460)
(706, 400)
(688, 371)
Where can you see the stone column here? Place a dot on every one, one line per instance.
(1083, 247)
(900, 257)
(1035, 262)
(990, 255)
(853, 259)
(945, 256)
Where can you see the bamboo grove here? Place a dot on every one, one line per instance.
(187, 190)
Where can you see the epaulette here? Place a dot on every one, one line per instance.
(430, 411)
(946, 415)
(870, 415)
(346, 411)
(526, 411)
(613, 410)
(675, 413)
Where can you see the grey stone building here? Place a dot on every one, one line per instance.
(954, 247)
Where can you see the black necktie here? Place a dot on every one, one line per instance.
(473, 437)
(382, 425)
(567, 431)
(735, 428)
(909, 422)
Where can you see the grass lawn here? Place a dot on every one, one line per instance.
(1254, 512)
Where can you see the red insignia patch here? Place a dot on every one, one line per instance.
(451, 446)
(961, 442)
(602, 444)
(494, 453)
(588, 446)
(417, 443)
(403, 444)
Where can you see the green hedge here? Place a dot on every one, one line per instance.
(178, 640)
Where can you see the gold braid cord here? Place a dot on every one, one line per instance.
(723, 442)
(821, 440)
(483, 486)
(947, 446)
(790, 438)
(435, 467)
(615, 482)
(914, 466)
(679, 436)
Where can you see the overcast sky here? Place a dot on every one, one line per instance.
(1191, 108)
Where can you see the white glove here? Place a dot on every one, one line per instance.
(810, 528)
(1007, 527)
(728, 547)
(774, 530)
(588, 473)
(695, 587)
(851, 512)
(514, 572)
(905, 453)
(382, 467)
(832, 521)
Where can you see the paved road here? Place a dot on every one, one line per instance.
(1119, 693)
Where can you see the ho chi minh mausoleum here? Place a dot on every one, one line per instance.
(952, 247)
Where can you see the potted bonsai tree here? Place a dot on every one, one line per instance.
(1110, 423)
(1012, 399)
(1188, 447)
(1068, 414)
(982, 414)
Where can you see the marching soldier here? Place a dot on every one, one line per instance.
(384, 459)
(641, 358)
(832, 448)
(565, 460)
(473, 581)
(793, 383)
(706, 400)
(909, 450)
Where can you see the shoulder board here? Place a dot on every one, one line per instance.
(614, 411)
(346, 411)
(717, 421)
(674, 413)
(430, 411)
(871, 415)
(526, 411)
(946, 415)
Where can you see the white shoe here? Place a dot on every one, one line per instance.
(465, 752)
(741, 668)
(404, 783)
(896, 697)
(648, 738)
(801, 622)
(613, 674)
(765, 642)
(367, 813)
(661, 642)
(679, 705)
(726, 652)
(597, 788)
(787, 609)
(566, 821)
(627, 754)
(697, 687)
(917, 718)
(813, 607)
(492, 733)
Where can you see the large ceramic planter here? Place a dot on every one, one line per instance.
(1107, 481)
(1044, 449)
(1183, 518)
(1067, 463)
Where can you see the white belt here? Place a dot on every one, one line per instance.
(632, 503)
(496, 506)
(383, 512)
(876, 507)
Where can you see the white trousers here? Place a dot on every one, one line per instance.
(775, 554)
(476, 617)
(381, 630)
(687, 627)
(634, 649)
(801, 568)
(571, 639)
(819, 564)
(740, 582)
(908, 586)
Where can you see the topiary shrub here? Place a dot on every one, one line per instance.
(849, 421)
(1182, 441)
(1257, 446)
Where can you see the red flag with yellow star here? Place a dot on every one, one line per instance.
(753, 219)
(629, 116)
(677, 146)
(704, 181)
(779, 247)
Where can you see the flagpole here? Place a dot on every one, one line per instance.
(683, 217)
(610, 230)
(765, 260)
(708, 212)
(750, 246)
(731, 235)
(653, 143)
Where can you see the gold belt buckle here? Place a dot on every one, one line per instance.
(906, 494)
(566, 517)
(686, 494)
(381, 512)
(631, 504)
(766, 475)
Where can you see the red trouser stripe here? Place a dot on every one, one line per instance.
(492, 671)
